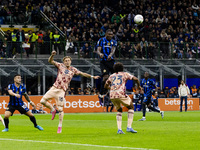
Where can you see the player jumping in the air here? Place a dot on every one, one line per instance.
(106, 49)
(57, 91)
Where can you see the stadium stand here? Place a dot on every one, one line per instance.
(167, 44)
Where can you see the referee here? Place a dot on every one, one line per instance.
(106, 48)
(16, 91)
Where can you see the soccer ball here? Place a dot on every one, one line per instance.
(138, 19)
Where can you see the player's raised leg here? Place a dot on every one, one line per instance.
(44, 101)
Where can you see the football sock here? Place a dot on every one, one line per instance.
(33, 120)
(107, 108)
(2, 120)
(102, 87)
(61, 115)
(59, 125)
(154, 109)
(119, 120)
(52, 109)
(111, 108)
(6, 121)
(144, 109)
(130, 118)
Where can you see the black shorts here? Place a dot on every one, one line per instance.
(147, 100)
(107, 67)
(22, 109)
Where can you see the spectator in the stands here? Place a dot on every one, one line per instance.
(87, 50)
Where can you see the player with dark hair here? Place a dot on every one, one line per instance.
(57, 91)
(106, 49)
(16, 90)
(116, 83)
(148, 84)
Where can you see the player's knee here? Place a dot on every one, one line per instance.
(60, 108)
(119, 110)
(43, 101)
(6, 117)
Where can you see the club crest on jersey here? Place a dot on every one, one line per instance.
(108, 43)
(104, 70)
(66, 71)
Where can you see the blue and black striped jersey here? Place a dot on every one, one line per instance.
(148, 86)
(106, 47)
(14, 101)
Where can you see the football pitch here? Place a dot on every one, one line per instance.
(98, 131)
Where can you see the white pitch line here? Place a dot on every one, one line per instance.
(78, 144)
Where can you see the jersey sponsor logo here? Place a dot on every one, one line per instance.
(66, 71)
(108, 46)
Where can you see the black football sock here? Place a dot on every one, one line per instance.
(102, 87)
(33, 120)
(6, 121)
(144, 109)
(154, 109)
(111, 108)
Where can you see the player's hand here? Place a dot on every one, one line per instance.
(53, 53)
(17, 95)
(109, 57)
(96, 77)
(101, 55)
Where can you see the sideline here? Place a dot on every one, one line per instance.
(79, 144)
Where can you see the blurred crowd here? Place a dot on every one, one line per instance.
(173, 92)
(174, 24)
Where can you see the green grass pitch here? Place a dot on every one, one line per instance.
(98, 131)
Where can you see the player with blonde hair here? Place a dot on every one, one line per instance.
(57, 91)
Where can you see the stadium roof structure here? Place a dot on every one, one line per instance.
(156, 68)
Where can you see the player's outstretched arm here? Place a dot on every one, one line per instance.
(88, 75)
(10, 92)
(50, 60)
(137, 82)
(28, 99)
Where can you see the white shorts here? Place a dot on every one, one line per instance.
(126, 101)
(53, 92)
